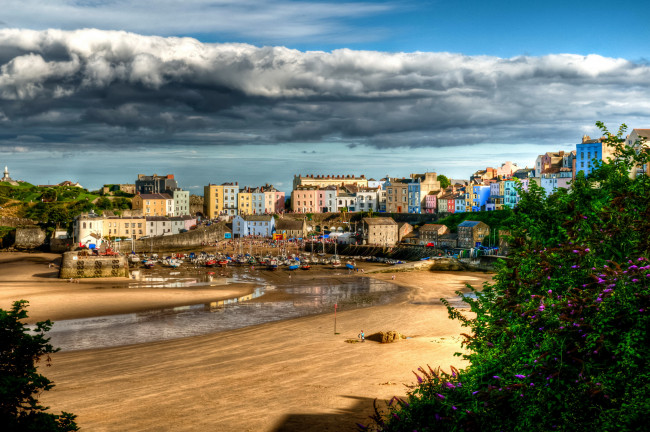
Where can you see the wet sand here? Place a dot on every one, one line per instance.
(294, 375)
(29, 276)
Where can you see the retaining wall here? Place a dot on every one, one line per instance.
(192, 239)
(78, 266)
(15, 222)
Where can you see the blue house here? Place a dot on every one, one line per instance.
(253, 225)
(480, 195)
(414, 202)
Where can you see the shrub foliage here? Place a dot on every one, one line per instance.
(20, 349)
(561, 339)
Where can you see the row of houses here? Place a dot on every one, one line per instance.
(89, 227)
(228, 199)
(486, 190)
(373, 231)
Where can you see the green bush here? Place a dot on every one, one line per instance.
(20, 349)
(560, 340)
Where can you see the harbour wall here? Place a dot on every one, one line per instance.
(78, 265)
(197, 238)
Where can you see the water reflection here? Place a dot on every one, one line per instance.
(223, 315)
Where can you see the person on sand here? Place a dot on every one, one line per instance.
(362, 336)
(393, 278)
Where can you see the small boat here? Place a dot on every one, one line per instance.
(210, 263)
(223, 263)
(149, 263)
(305, 267)
(350, 265)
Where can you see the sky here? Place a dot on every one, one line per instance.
(213, 91)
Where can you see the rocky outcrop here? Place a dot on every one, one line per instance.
(28, 238)
(386, 336)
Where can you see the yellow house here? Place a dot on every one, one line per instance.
(244, 201)
(133, 227)
(212, 200)
(153, 204)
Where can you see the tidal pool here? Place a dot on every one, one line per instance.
(170, 323)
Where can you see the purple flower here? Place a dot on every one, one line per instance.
(496, 377)
(454, 408)
(450, 385)
(440, 396)
(475, 392)
(532, 384)
(587, 250)
(575, 251)
(550, 291)
(520, 376)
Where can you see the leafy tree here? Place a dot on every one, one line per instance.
(444, 181)
(561, 339)
(49, 195)
(104, 203)
(20, 383)
(122, 203)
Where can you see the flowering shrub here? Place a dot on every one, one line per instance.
(560, 340)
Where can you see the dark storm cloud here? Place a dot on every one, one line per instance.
(93, 86)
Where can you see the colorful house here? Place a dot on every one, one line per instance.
(153, 204)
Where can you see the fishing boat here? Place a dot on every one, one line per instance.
(210, 263)
(294, 265)
(223, 262)
(350, 265)
(305, 267)
(272, 264)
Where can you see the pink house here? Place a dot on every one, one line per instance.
(305, 200)
(430, 203)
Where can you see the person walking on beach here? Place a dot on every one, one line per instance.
(362, 336)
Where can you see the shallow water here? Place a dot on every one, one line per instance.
(192, 320)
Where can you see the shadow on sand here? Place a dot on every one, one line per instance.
(344, 420)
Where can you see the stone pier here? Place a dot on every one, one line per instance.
(78, 265)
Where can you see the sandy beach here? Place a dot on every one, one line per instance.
(294, 375)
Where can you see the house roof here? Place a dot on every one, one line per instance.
(289, 224)
(642, 132)
(258, 218)
(155, 196)
(468, 223)
(432, 227)
(157, 218)
(379, 221)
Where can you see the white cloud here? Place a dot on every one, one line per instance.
(113, 86)
(268, 20)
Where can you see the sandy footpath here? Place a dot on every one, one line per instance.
(294, 375)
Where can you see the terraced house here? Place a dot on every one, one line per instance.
(472, 233)
(153, 204)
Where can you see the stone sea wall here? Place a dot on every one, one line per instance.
(197, 238)
(77, 265)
